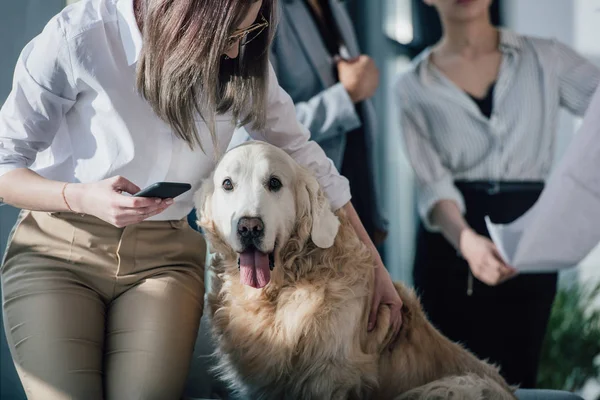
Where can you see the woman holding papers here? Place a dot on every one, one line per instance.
(479, 114)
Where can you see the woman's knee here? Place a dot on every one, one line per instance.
(56, 340)
(152, 329)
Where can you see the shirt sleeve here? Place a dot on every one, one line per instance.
(42, 93)
(434, 180)
(578, 79)
(285, 131)
(327, 114)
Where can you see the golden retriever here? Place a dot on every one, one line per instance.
(291, 294)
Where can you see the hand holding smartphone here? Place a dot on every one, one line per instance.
(164, 190)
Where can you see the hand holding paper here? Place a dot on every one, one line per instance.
(564, 224)
(483, 258)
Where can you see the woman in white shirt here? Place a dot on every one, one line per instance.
(102, 292)
(479, 113)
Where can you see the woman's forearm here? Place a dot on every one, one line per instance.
(25, 189)
(447, 216)
(362, 233)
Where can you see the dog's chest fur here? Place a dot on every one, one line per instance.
(286, 342)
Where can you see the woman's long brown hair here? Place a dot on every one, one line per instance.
(182, 72)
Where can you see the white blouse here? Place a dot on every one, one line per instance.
(75, 115)
(447, 137)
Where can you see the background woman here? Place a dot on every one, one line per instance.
(479, 113)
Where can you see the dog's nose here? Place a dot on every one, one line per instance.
(250, 228)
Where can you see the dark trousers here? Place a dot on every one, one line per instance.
(505, 324)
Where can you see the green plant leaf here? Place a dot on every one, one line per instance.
(572, 340)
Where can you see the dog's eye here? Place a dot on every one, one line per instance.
(274, 184)
(227, 185)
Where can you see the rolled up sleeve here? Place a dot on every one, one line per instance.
(329, 113)
(285, 131)
(578, 79)
(434, 181)
(42, 93)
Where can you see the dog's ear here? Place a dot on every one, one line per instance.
(324, 223)
(202, 202)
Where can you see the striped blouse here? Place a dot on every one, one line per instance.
(447, 138)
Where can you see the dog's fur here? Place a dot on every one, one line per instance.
(304, 335)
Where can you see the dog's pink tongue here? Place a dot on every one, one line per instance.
(254, 269)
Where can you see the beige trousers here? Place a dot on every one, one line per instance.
(97, 312)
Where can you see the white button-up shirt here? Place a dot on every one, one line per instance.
(75, 115)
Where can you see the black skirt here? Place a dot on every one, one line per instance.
(506, 323)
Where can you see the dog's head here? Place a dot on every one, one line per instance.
(257, 199)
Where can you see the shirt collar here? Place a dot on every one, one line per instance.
(131, 37)
(510, 40)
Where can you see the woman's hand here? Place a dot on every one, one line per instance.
(359, 77)
(105, 200)
(484, 259)
(385, 293)
(480, 252)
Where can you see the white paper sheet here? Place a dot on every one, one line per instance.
(563, 226)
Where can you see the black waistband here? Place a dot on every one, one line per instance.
(495, 187)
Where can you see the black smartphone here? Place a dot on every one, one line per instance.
(164, 190)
